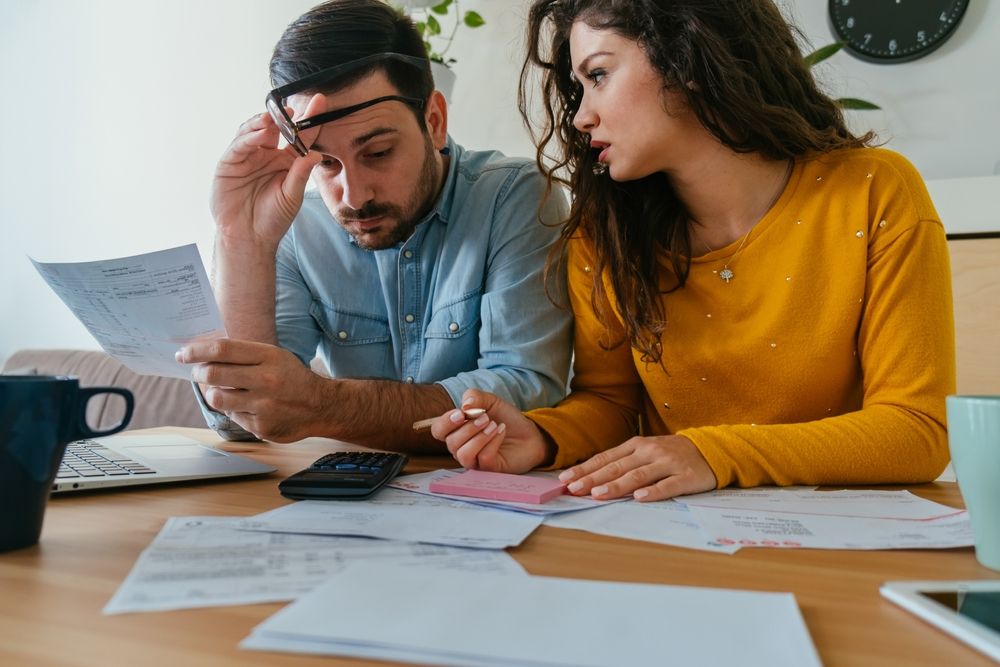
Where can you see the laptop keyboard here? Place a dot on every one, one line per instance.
(88, 458)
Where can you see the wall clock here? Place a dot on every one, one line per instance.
(894, 31)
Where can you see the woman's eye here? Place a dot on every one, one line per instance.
(596, 75)
(328, 163)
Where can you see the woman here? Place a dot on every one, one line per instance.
(760, 297)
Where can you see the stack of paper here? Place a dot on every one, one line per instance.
(468, 619)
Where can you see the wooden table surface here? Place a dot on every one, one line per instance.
(51, 595)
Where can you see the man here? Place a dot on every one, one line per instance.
(414, 271)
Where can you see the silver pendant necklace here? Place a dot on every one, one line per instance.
(726, 274)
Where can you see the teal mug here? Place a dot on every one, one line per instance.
(39, 416)
(974, 440)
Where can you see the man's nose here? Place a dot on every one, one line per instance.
(358, 190)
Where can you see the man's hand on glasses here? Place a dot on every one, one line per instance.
(259, 186)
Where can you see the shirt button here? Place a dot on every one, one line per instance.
(453, 327)
(342, 335)
(409, 318)
(409, 379)
(407, 254)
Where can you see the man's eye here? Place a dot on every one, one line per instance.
(379, 154)
(328, 163)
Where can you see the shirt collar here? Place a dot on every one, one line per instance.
(442, 207)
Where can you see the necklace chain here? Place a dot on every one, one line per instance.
(725, 273)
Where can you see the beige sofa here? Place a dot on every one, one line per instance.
(159, 401)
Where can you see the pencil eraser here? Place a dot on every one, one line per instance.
(499, 486)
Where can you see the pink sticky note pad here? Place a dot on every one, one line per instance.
(500, 486)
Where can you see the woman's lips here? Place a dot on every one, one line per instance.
(602, 149)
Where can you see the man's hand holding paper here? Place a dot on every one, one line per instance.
(263, 388)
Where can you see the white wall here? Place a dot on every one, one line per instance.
(115, 112)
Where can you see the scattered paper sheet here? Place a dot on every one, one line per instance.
(666, 522)
(849, 519)
(766, 529)
(141, 309)
(206, 561)
(789, 517)
(421, 482)
(470, 619)
(400, 515)
(847, 503)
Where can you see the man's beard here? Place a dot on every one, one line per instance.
(406, 217)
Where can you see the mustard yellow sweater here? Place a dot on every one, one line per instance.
(825, 360)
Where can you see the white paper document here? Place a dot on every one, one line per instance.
(850, 519)
(439, 618)
(665, 522)
(400, 515)
(205, 561)
(141, 309)
(846, 503)
(421, 482)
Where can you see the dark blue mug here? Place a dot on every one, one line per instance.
(39, 416)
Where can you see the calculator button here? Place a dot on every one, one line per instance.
(345, 466)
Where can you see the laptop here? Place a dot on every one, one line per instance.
(129, 460)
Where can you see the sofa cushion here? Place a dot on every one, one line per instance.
(159, 401)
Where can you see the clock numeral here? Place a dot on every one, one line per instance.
(892, 31)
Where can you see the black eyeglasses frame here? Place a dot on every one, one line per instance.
(290, 129)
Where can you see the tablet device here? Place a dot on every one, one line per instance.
(968, 610)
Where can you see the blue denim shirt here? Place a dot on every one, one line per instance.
(461, 302)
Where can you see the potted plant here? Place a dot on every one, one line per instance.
(438, 21)
(821, 54)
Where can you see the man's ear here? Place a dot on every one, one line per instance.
(436, 118)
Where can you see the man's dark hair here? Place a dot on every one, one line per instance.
(339, 31)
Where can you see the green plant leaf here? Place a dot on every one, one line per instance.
(855, 103)
(421, 27)
(473, 20)
(822, 53)
(433, 26)
(442, 7)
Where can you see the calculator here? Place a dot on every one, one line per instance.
(343, 476)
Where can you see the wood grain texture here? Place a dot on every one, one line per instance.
(51, 595)
(975, 270)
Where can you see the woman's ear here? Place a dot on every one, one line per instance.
(436, 118)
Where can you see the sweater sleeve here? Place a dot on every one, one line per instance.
(907, 354)
(603, 406)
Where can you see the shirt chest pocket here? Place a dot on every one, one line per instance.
(456, 319)
(346, 328)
